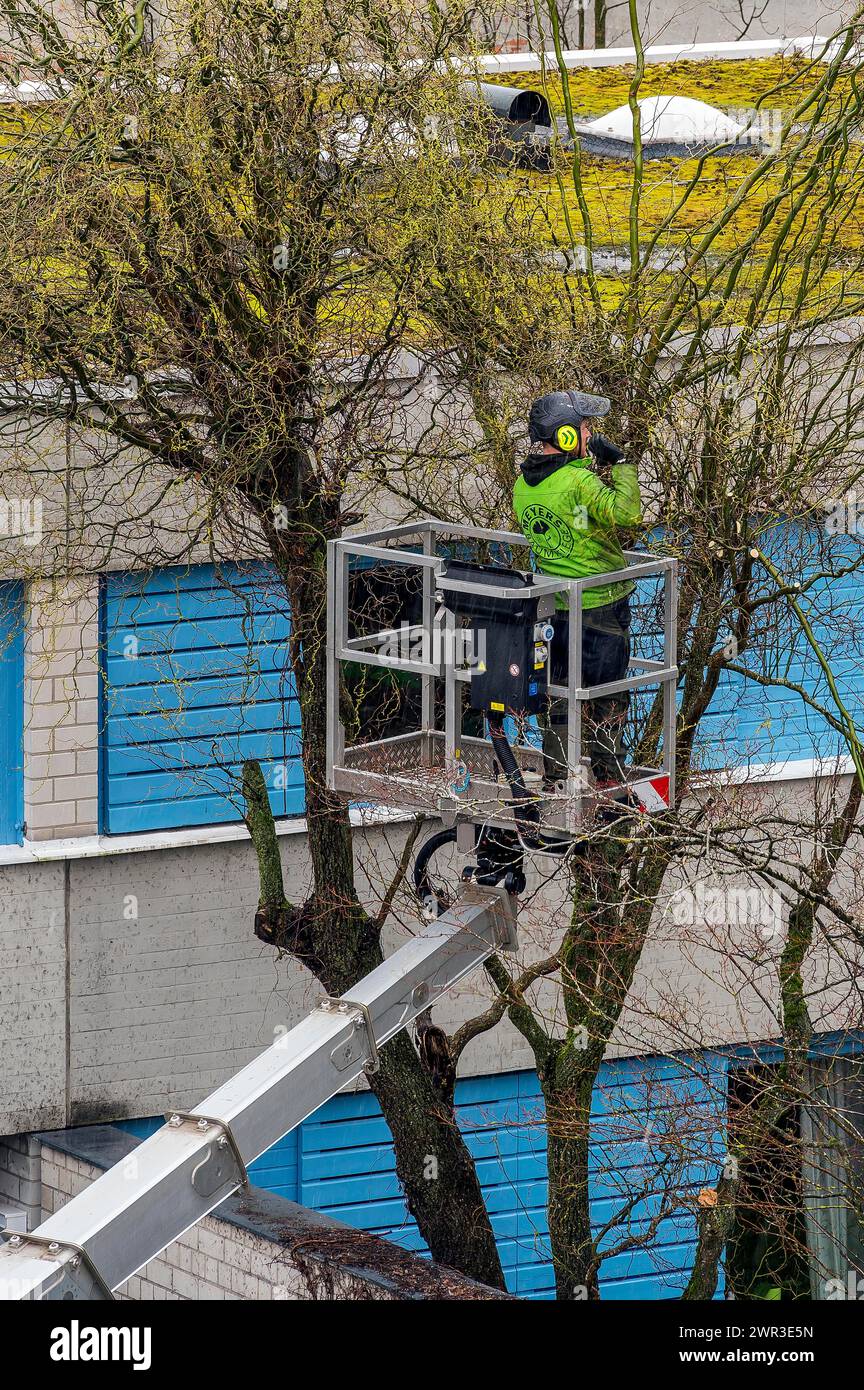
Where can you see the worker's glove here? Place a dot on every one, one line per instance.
(604, 451)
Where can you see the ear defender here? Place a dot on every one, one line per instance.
(567, 438)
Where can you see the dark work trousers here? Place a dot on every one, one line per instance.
(605, 657)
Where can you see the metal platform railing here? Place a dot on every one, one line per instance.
(435, 767)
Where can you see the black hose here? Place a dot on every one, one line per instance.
(499, 859)
(422, 886)
(507, 761)
(525, 808)
(527, 816)
(524, 805)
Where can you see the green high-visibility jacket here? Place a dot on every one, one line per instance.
(571, 517)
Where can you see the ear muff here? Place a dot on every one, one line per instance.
(567, 438)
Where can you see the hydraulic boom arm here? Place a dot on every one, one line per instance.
(105, 1234)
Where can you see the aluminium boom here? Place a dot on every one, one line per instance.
(100, 1238)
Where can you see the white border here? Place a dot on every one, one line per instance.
(813, 46)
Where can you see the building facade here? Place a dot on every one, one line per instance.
(135, 983)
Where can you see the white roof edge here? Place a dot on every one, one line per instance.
(735, 49)
(103, 846)
(409, 366)
(790, 770)
(531, 62)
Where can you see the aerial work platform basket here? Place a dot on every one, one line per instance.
(457, 584)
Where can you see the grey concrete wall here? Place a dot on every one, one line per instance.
(133, 982)
(670, 21)
(665, 21)
(33, 1017)
(170, 991)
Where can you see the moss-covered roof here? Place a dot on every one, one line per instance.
(608, 186)
(774, 83)
(830, 216)
(822, 251)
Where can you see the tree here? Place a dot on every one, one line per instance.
(221, 236)
(527, 30)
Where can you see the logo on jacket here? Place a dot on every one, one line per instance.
(548, 534)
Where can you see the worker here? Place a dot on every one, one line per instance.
(574, 492)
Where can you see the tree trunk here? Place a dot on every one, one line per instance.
(714, 1222)
(599, 23)
(568, 1111)
(434, 1166)
(598, 960)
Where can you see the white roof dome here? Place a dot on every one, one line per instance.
(673, 120)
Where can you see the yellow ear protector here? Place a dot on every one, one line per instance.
(567, 438)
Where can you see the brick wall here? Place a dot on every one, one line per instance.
(61, 715)
(20, 1175)
(212, 1261)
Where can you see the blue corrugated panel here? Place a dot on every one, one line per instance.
(657, 1137)
(12, 706)
(753, 723)
(196, 678)
(657, 1132)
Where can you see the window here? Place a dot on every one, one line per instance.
(12, 705)
(833, 1133)
(195, 679)
(799, 1217)
(766, 1257)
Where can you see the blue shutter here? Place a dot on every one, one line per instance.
(195, 678)
(749, 723)
(347, 1167)
(12, 705)
(340, 1161)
